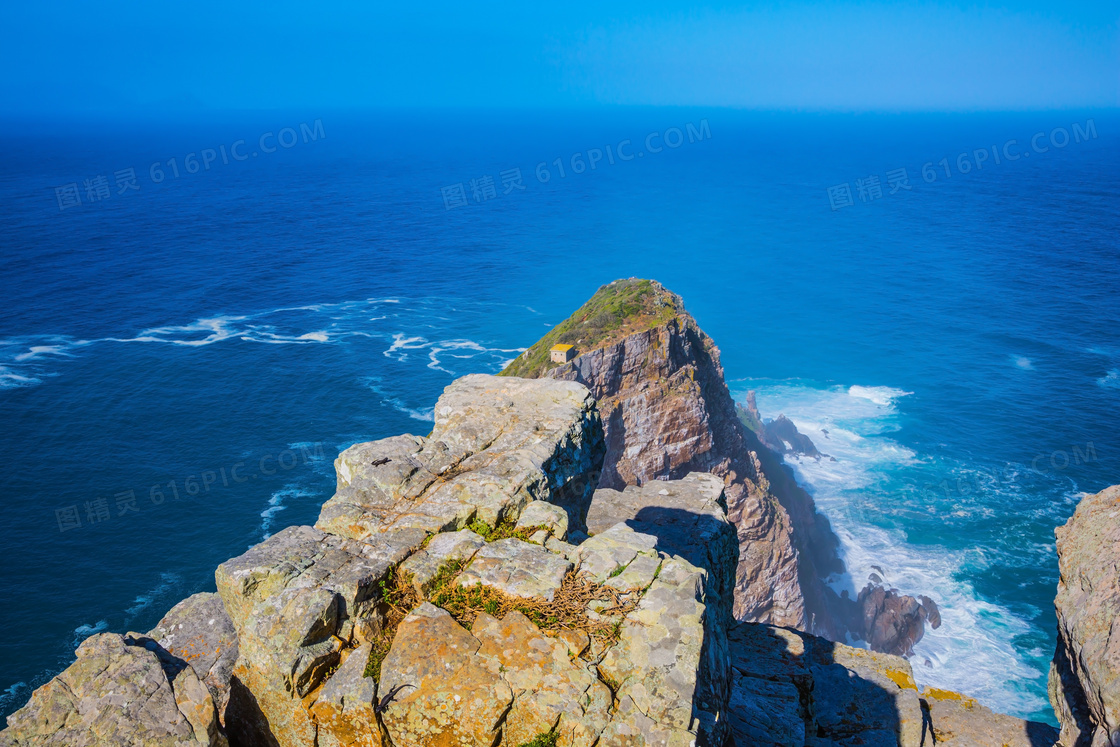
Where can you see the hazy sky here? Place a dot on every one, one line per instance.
(145, 56)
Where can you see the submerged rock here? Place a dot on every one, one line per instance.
(891, 622)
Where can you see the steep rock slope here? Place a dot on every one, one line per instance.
(1085, 674)
(666, 412)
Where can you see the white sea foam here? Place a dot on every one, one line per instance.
(23, 360)
(11, 380)
(1111, 380)
(85, 631)
(880, 395)
(1023, 362)
(417, 413)
(277, 503)
(971, 651)
(167, 582)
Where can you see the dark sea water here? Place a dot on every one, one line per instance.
(181, 362)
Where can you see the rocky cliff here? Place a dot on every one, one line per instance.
(667, 411)
(1085, 674)
(438, 601)
(476, 588)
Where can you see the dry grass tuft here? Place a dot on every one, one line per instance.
(399, 595)
(567, 610)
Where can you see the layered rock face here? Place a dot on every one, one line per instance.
(1085, 674)
(667, 412)
(496, 445)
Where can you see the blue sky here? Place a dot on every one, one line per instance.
(848, 56)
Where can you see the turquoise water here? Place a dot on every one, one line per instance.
(196, 351)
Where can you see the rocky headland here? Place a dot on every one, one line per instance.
(593, 553)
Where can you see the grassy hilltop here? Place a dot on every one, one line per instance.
(616, 310)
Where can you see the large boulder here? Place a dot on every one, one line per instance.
(1085, 674)
(443, 693)
(789, 688)
(198, 631)
(517, 568)
(345, 709)
(498, 444)
(551, 689)
(122, 690)
(688, 517)
(299, 600)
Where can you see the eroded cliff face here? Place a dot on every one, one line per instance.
(1085, 674)
(666, 412)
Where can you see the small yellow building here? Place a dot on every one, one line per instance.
(562, 353)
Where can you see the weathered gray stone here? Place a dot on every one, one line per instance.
(696, 494)
(765, 712)
(863, 694)
(304, 557)
(790, 688)
(671, 671)
(424, 565)
(198, 631)
(295, 600)
(498, 444)
(1085, 676)
(542, 513)
(122, 690)
(517, 568)
(445, 694)
(689, 519)
(637, 575)
(959, 721)
(608, 551)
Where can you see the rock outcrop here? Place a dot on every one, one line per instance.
(890, 622)
(122, 690)
(793, 689)
(1085, 674)
(506, 632)
(198, 631)
(667, 412)
(779, 434)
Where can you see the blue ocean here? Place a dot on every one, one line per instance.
(199, 314)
